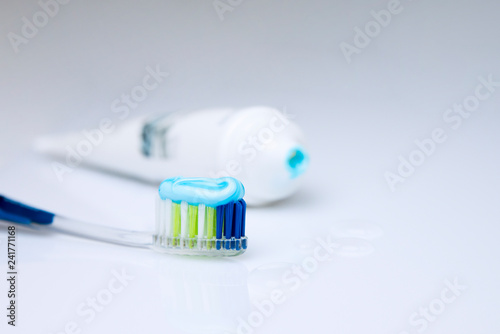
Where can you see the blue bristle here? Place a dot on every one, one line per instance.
(243, 221)
(220, 223)
(243, 216)
(231, 224)
(238, 209)
(228, 222)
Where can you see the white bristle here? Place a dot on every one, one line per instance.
(163, 217)
(201, 221)
(159, 216)
(167, 214)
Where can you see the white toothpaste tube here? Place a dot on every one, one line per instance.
(260, 146)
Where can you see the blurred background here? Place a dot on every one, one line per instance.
(366, 81)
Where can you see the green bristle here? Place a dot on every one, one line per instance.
(210, 218)
(192, 223)
(176, 220)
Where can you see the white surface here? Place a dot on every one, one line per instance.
(442, 223)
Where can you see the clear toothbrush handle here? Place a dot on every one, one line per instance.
(25, 215)
(100, 233)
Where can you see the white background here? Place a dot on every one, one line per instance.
(394, 249)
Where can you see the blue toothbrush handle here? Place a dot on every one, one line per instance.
(20, 213)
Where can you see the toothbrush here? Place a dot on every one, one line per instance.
(195, 216)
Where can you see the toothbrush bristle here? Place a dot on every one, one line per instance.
(199, 229)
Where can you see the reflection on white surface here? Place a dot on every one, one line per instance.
(202, 295)
(344, 247)
(169, 294)
(347, 238)
(266, 278)
(355, 228)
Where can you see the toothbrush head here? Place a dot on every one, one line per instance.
(201, 216)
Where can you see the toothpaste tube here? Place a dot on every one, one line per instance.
(258, 145)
